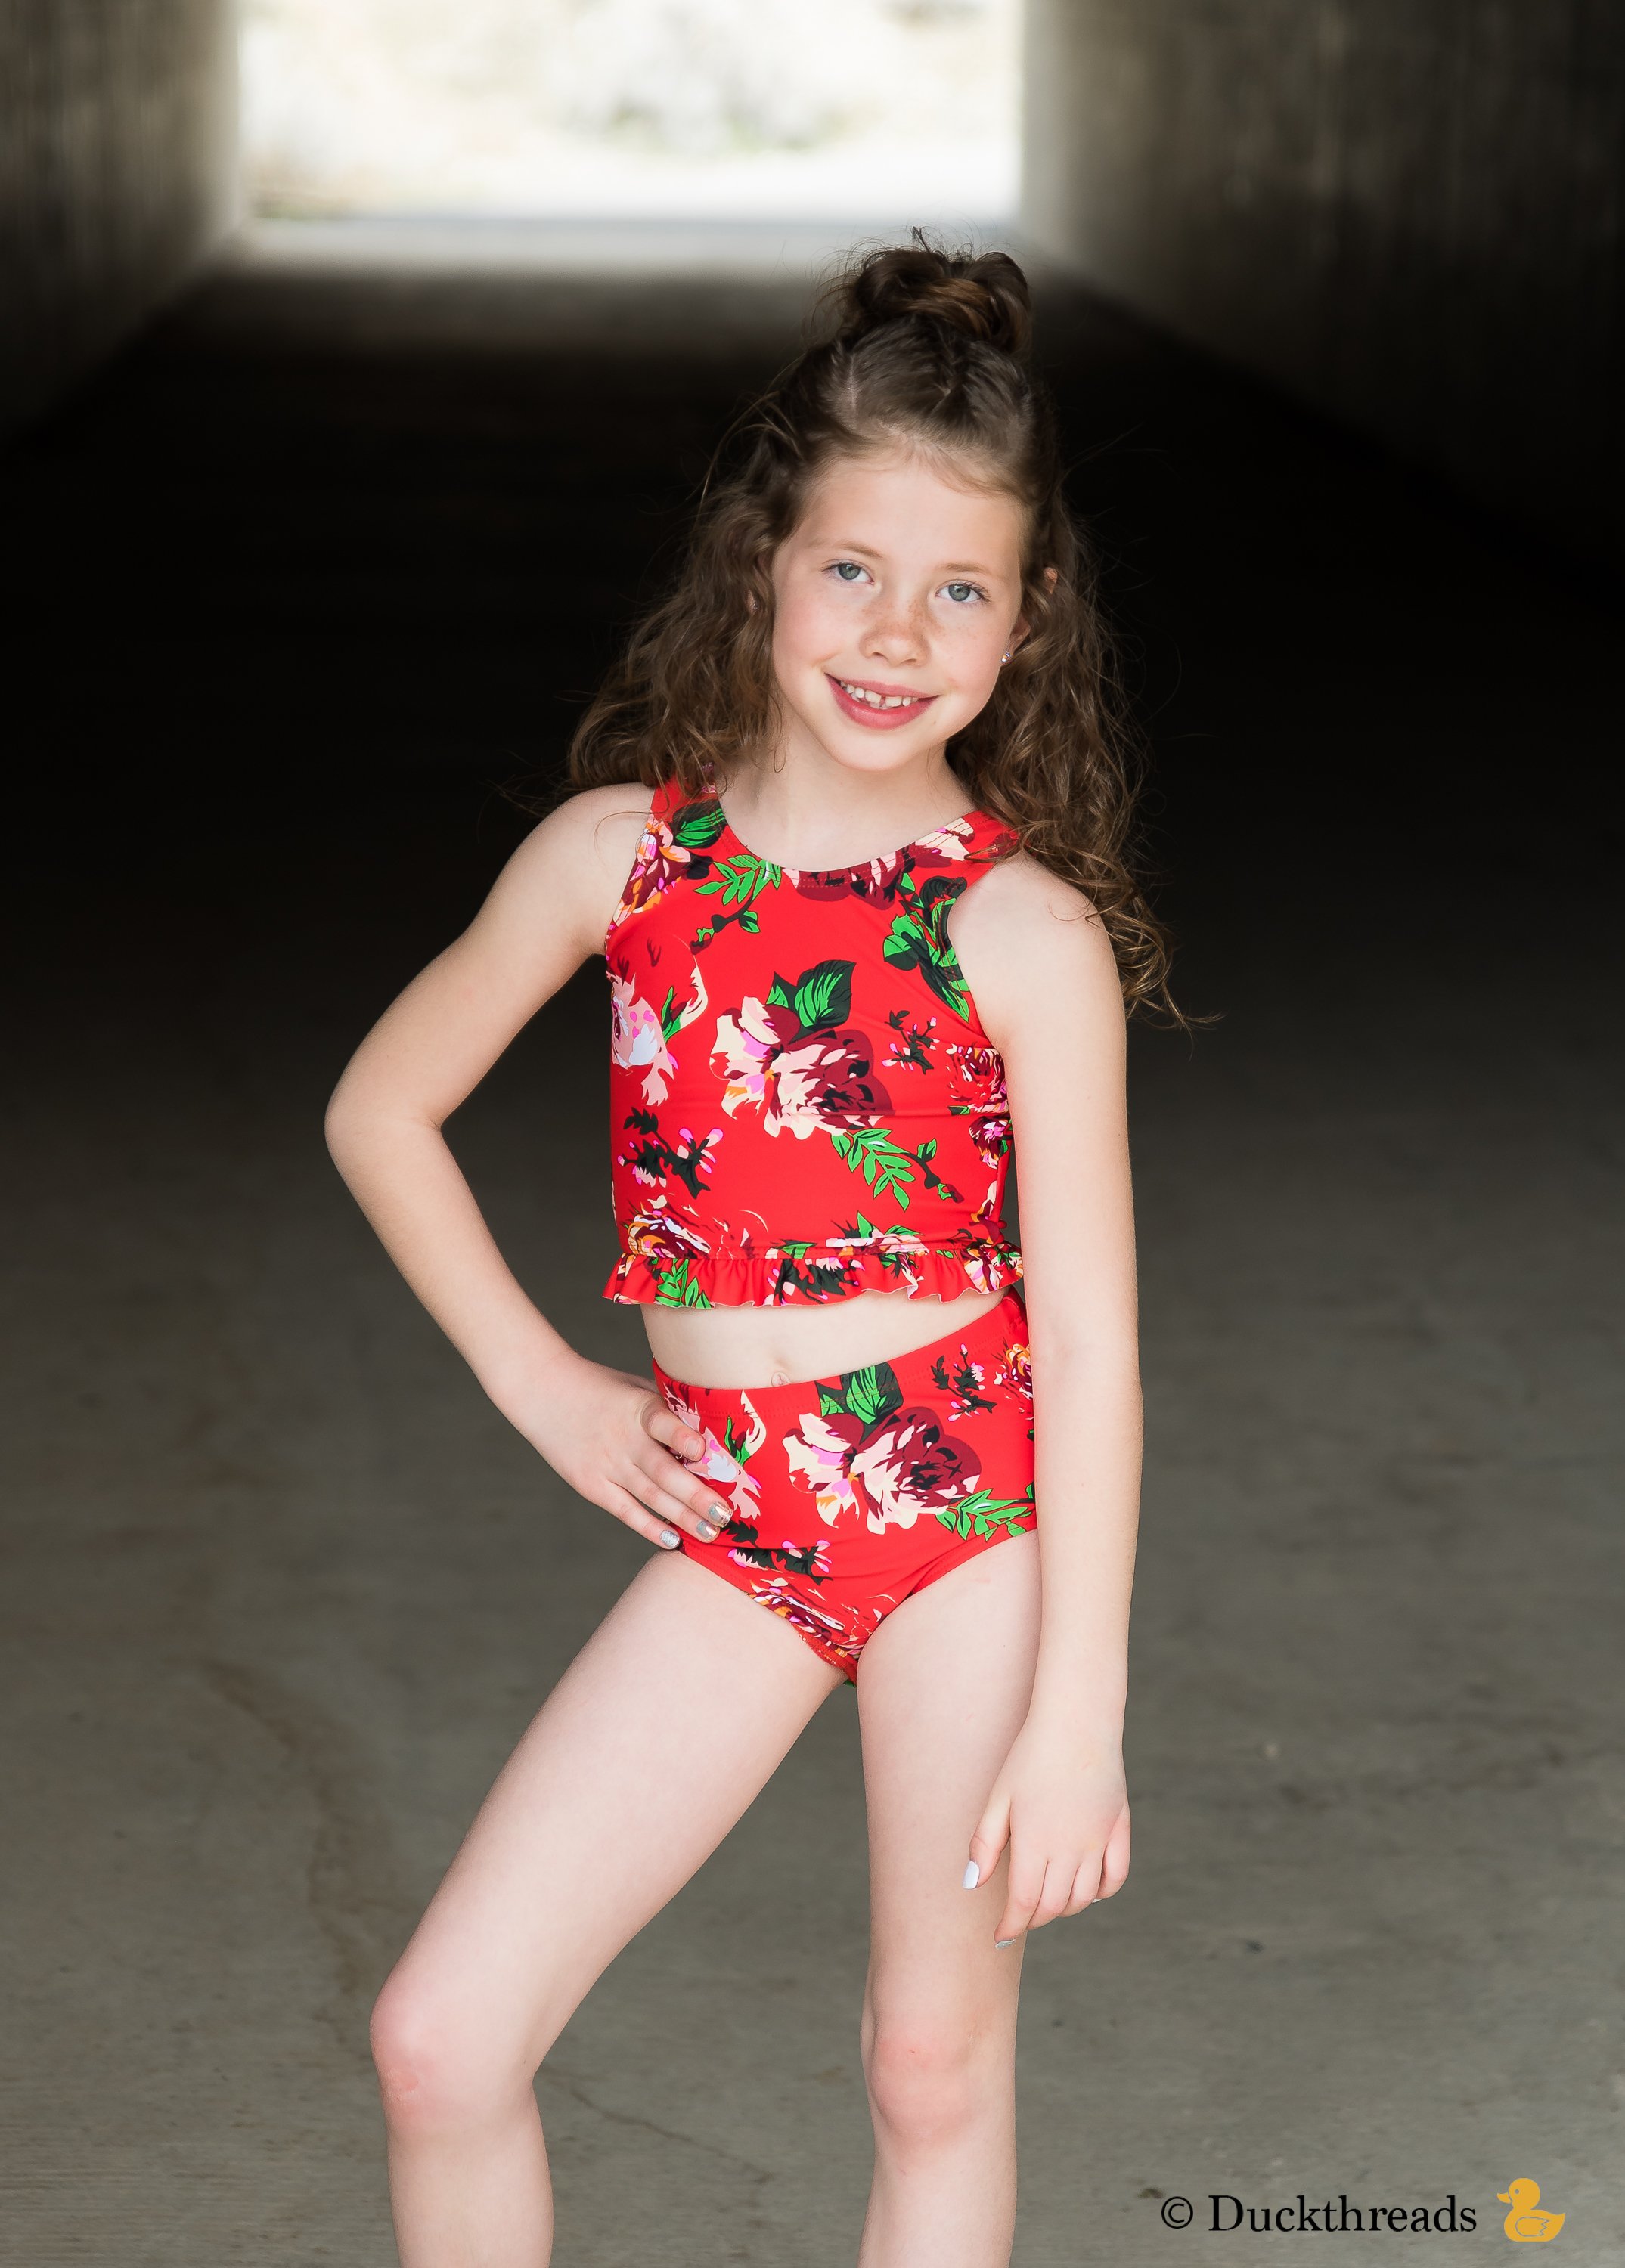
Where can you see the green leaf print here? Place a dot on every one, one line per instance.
(697, 826)
(678, 1288)
(742, 879)
(823, 994)
(884, 1164)
(918, 938)
(671, 1015)
(831, 1405)
(981, 1511)
(738, 1443)
(870, 1394)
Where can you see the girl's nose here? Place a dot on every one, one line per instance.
(895, 636)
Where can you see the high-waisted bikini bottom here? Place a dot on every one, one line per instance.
(849, 1493)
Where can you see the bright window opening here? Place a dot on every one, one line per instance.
(739, 109)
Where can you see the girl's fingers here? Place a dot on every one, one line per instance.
(1085, 1887)
(666, 1427)
(993, 1832)
(1044, 1893)
(1114, 1871)
(1026, 1886)
(626, 1508)
(660, 1487)
(698, 1499)
(675, 1480)
(1054, 1890)
(668, 1433)
(675, 1513)
(1060, 1880)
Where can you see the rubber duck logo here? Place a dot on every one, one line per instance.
(1526, 2223)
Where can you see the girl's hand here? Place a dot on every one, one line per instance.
(613, 1439)
(1061, 1804)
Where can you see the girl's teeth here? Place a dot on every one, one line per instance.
(878, 700)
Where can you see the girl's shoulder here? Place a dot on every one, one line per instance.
(1018, 898)
(590, 810)
(573, 865)
(1026, 937)
(602, 826)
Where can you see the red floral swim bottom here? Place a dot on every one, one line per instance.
(849, 1493)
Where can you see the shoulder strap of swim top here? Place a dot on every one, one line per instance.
(670, 797)
(995, 838)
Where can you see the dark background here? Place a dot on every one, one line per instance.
(280, 605)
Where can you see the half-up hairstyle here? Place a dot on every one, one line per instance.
(928, 350)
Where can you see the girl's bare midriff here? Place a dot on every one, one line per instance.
(781, 1346)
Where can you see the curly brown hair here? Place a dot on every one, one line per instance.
(929, 349)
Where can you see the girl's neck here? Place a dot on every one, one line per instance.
(814, 813)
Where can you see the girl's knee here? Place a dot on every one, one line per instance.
(931, 2078)
(437, 2076)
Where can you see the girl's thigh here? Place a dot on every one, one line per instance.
(658, 1737)
(942, 1690)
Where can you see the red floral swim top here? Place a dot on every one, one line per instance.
(803, 1103)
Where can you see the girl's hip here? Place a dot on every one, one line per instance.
(939, 1438)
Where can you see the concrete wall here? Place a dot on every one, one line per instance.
(1407, 211)
(117, 173)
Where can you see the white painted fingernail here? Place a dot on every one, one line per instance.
(1002, 1944)
(972, 1875)
(669, 1539)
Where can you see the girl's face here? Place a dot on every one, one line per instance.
(895, 598)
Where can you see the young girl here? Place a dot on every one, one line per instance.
(848, 831)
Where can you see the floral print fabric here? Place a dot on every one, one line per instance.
(804, 1104)
(848, 1494)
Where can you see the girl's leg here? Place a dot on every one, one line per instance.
(657, 1737)
(943, 1689)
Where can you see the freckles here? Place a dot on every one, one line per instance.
(975, 647)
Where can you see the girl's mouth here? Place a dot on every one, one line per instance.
(878, 706)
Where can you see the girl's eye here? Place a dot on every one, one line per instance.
(848, 570)
(960, 591)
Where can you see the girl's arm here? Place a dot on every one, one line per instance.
(609, 1434)
(1041, 970)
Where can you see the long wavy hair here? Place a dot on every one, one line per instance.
(930, 349)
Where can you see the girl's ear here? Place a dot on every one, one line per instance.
(1023, 628)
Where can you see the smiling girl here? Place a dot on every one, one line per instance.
(849, 832)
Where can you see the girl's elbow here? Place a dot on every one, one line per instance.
(358, 1122)
(337, 1126)
(346, 1120)
(1096, 1362)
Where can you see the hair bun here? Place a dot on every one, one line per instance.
(984, 296)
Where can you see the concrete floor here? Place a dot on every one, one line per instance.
(299, 583)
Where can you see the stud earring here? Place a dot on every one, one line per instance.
(1004, 657)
